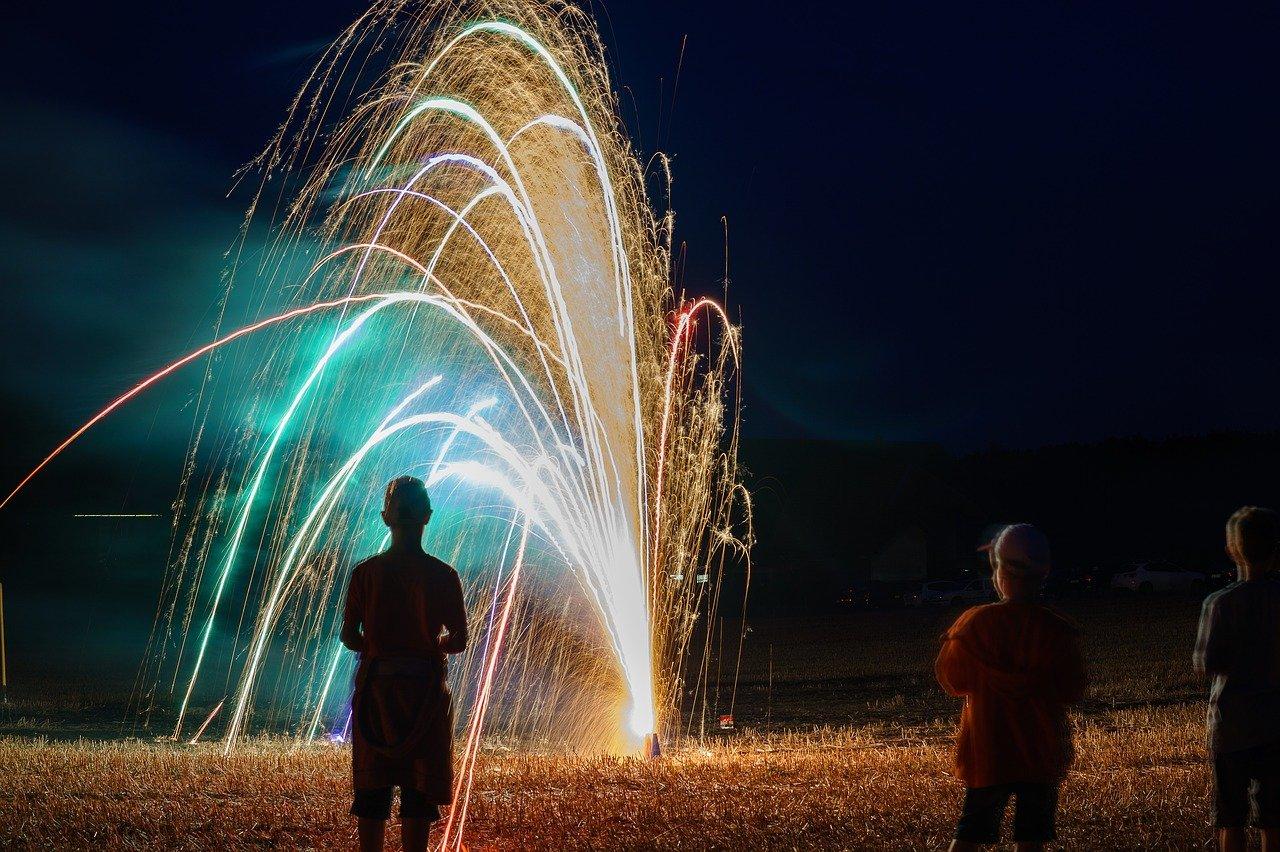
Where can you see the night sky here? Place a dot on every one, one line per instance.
(1006, 224)
(976, 225)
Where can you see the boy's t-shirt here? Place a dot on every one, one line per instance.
(402, 716)
(1018, 665)
(402, 602)
(1239, 647)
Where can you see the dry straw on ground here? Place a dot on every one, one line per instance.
(1140, 783)
(876, 778)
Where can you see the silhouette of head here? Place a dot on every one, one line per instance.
(1253, 539)
(406, 503)
(1020, 557)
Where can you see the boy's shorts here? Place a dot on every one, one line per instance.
(375, 803)
(1238, 776)
(1033, 816)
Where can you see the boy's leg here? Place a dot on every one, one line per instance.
(1230, 800)
(371, 808)
(416, 816)
(414, 834)
(1034, 815)
(1266, 796)
(371, 833)
(980, 817)
(1232, 840)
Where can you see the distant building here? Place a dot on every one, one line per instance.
(905, 556)
(832, 516)
(929, 530)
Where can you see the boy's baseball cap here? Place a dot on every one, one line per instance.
(1021, 548)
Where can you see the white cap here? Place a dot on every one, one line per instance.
(1022, 549)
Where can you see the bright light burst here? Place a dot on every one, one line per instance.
(488, 305)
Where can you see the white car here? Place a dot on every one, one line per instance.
(1159, 577)
(951, 593)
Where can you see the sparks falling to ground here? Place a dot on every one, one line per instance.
(467, 283)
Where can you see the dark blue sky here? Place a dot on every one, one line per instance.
(1003, 223)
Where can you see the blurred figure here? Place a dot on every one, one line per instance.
(1238, 646)
(404, 612)
(1018, 666)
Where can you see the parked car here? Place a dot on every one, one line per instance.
(951, 593)
(1098, 577)
(1159, 577)
(1223, 575)
(857, 596)
(876, 594)
(1065, 582)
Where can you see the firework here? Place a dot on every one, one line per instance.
(486, 302)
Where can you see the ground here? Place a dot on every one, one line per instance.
(847, 746)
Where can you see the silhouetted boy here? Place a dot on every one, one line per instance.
(404, 612)
(1239, 647)
(1018, 665)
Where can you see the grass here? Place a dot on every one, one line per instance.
(850, 749)
(871, 667)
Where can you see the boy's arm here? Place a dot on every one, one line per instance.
(351, 617)
(455, 620)
(1072, 679)
(1211, 653)
(949, 670)
(953, 665)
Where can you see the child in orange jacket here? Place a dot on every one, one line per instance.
(1018, 666)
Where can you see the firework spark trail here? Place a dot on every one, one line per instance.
(478, 218)
(435, 467)
(499, 186)
(635, 659)
(621, 269)
(462, 789)
(491, 438)
(248, 502)
(432, 475)
(683, 327)
(175, 366)
(337, 653)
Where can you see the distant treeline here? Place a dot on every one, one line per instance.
(825, 510)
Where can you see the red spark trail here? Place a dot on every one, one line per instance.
(482, 704)
(182, 362)
(682, 327)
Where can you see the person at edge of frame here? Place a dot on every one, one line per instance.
(1238, 648)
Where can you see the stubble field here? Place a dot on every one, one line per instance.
(844, 744)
